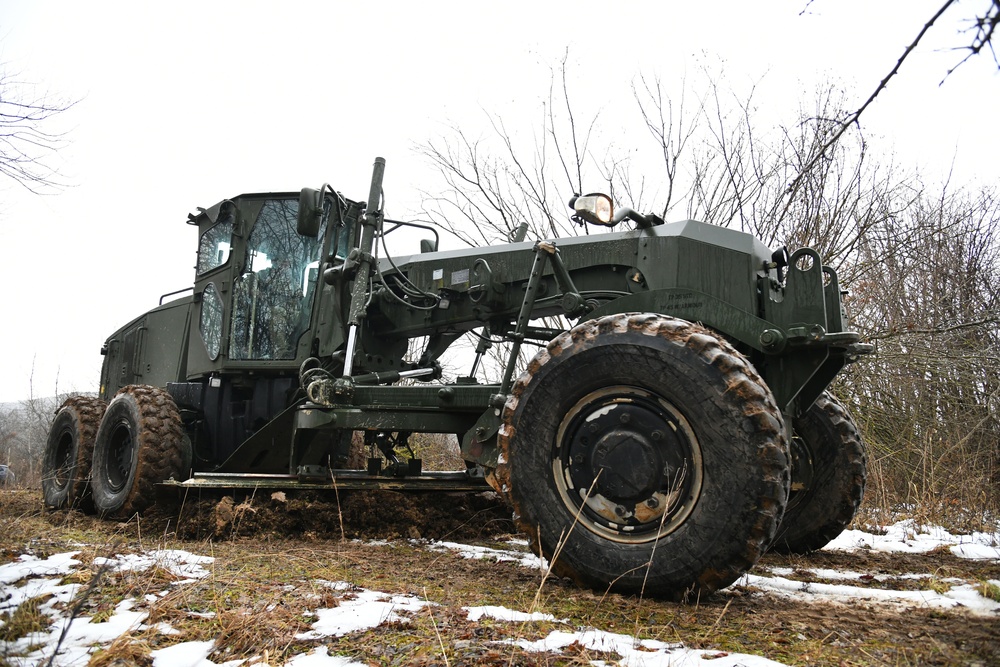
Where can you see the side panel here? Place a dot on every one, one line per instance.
(149, 350)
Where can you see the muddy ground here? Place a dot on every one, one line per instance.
(314, 533)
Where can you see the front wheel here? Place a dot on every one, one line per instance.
(141, 442)
(643, 453)
(69, 450)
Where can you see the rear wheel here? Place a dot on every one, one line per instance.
(68, 452)
(828, 477)
(141, 442)
(643, 453)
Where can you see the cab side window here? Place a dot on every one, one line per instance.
(214, 246)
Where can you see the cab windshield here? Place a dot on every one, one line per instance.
(272, 298)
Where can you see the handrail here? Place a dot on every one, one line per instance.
(175, 292)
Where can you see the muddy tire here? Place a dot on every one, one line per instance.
(69, 450)
(642, 453)
(828, 477)
(141, 442)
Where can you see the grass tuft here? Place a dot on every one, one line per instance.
(26, 619)
(243, 632)
(126, 650)
(989, 590)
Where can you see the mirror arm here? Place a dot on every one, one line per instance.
(400, 223)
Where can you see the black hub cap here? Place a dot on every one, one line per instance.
(120, 452)
(63, 459)
(628, 463)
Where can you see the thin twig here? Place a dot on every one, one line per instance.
(793, 189)
(87, 592)
(440, 640)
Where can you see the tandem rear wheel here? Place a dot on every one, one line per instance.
(828, 477)
(69, 450)
(140, 443)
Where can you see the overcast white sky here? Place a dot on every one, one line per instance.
(186, 103)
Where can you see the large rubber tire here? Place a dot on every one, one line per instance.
(69, 450)
(642, 453)
(828, 477)
(141, 442)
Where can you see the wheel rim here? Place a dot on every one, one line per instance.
(63, 460)
(627, 464)
(802, 472)
(121, 450)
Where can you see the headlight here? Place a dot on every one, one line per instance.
(596, 209)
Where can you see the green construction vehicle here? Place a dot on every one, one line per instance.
(678, 430)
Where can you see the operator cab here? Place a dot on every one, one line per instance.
(256, 277)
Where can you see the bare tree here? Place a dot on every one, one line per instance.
(497, 181)
(929, 299)
(921, 262)
(26, 138)
(981, 28)
(8, 433)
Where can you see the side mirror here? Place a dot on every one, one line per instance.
(310, 212)
(428, 245)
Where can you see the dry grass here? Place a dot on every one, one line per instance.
(261, 593)
(126, 650)
(26, 619)
(989, 590)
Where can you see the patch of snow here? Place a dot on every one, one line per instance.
(505, 614)
(498, 555)
(164, 628)
(321, 658)
(908, 536)
(846, 575)
(12, 598)
(186, 654)
(959, 596)
(371, 543)
(643, 653)
(974, 551)
(82, 635)
(179, 563)
(31, 566)
(365, 609)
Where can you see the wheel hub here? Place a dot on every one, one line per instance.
(63, 460)
(627, 462)
(623, 460)
(120, 454)
(802, 471)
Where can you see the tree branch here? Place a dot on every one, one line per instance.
(793, 188)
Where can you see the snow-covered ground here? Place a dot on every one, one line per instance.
(77, 638)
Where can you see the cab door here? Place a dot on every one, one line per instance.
(217, 246)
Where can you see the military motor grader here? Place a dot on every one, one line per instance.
(679, 429)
